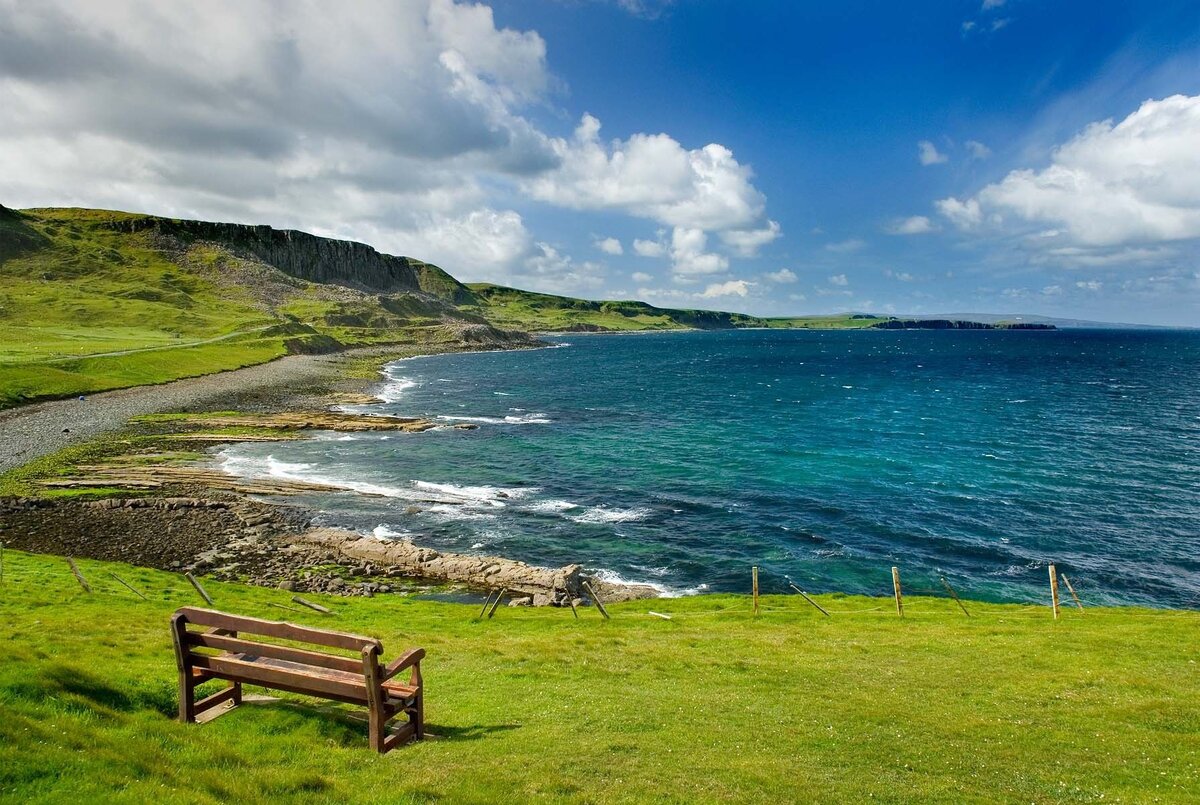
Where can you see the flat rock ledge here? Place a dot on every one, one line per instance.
(320, 420)
(528, 584)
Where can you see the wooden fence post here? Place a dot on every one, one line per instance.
(203, 593)
(954, 595)
(127, 586)
(486, 602)
(304, 602)
(809, 600)
(754, 583)
(78, 576)
(1054, 591)
(571, 602)
(596, 600)
(495, 604)
(896, 590)
(1078, 603)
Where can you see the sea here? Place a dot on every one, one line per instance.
(824, 458)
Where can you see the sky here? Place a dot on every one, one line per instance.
(776, 158)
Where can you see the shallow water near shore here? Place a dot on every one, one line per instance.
(824, 457)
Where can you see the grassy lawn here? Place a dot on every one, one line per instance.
(535, 705)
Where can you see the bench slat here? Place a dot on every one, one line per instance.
(286, 679)
(281, 629)
(298, 655)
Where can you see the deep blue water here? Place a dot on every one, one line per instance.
(823, 457)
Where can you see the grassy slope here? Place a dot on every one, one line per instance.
(535, 705)
(512, 308)
(71, 287)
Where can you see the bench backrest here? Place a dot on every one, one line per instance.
(226, 632)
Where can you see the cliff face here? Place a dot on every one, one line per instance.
(312, 258)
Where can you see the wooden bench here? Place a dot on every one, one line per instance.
(220, 650)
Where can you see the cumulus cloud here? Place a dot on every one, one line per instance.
(928, 154)
(731, 288)
(641, 276)
(747, 242)
(651, 176)
(914, 225)
(689, 256)
(783, 275)
(649, 248)
(1089, 285)
(839, 279)
(1136, 181)
(610, 246)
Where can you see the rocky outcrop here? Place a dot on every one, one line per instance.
(312, 258)
(543, 585)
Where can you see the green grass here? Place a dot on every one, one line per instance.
(537, 706)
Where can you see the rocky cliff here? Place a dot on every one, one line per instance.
(312, 258)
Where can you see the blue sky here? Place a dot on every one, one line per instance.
(776, 158)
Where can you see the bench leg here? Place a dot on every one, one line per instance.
(418, 717)
(187, 697)
(236, 698)
(378, 727)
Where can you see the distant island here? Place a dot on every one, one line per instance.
(952, 324)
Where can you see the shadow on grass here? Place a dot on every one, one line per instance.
(104, 693)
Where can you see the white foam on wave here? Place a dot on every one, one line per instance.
(394, 389)
(385, 532)
(613, 577)
(451, 511)
(551, 506)
(495, 496)
(523, 419)
(603, 514)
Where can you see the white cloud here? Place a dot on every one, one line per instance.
(963, 214)
(1137, 181)
(688, 255)
(902, 276)
(747, 242)
(610, 246)
(845, 246)
(978, 150)
(641, 277)
(480, 244)
(839, 279)
(1089, 285)
(651, 176)
(914, 225)
(988, 5)
(783, 275)
(649, 248)
(731, 288)
(928, 154)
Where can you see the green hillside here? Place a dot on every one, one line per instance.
(91, 300)
(536, 706)
(539, 312)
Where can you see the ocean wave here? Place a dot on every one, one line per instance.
(495, 496)
(526, 419)
(385, 532)
(603, 514)
(613, 577)
(394, 389)
(551, 506)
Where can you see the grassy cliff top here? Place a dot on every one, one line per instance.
(534, 705)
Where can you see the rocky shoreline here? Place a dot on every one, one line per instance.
(138, 504)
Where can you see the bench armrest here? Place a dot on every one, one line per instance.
(409, 658)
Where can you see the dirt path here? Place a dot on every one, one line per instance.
(30, 431)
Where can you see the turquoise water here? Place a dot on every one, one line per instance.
(825, 458)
